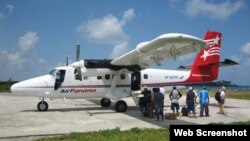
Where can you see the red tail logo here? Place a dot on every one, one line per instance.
(214, 48)
(213, 40)
(205, 67)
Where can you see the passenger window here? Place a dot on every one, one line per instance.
(86, 78)
(99, 77)
(122, 76)
(145, 76)
(107, 76)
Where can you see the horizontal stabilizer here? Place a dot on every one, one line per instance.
(227, 62)
(185, 67)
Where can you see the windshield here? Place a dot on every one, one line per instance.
(53, 72)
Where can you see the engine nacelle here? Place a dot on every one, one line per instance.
(95, 71)
(85, 71)
(78, 64)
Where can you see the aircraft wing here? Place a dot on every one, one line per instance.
(165, 47)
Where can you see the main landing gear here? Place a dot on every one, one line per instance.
(120, 105)
(42, 105)
(105, 102)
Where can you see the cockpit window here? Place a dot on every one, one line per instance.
(53, 72)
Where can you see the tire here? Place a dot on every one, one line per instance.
(121, 106)
(42, 106)
(105, 102)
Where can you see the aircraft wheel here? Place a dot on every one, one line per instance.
(121, 106)
(105, 102)
(42, 106)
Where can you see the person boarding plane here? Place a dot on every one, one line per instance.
(125, 75)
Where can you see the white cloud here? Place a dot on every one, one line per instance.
(240, 71)
(20, 65)
(219, 11)
(128, 16)
(23, 62)
(10, 8)
(246, 49)
(28, 40)
(105, 30)
(10, 61)
(119, 49)
(108, 29)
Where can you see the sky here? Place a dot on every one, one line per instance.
(38, 35)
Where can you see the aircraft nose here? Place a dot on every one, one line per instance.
(18, 88)
(14, 88)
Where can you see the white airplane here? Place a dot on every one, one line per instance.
(125, 75)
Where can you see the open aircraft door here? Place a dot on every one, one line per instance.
(136, 81)
(136, 86)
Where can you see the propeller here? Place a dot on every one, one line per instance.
(78, 73)
(77, 51)
(67, 61)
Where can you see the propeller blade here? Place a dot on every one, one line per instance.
(77, 51)
(67, 61)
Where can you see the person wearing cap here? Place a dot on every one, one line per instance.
(204, 101)
(190, 101)
(174, 96)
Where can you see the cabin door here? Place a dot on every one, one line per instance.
(136, 81)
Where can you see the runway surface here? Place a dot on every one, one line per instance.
(19, 118)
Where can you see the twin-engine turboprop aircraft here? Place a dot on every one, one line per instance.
(125, 75)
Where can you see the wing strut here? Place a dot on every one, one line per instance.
(114, 93)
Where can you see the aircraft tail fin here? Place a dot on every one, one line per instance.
(206, 66)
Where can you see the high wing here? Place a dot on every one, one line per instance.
(165, 47)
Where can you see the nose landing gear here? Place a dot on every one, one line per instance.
(42, 105)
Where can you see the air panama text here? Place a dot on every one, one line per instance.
(78, 91)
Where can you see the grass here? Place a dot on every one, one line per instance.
(5, 87)
(235, 94)
(238, 94)
(133, 134)
(234, 123)
(115, 135)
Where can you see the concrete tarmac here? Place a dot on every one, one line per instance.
(20, 120)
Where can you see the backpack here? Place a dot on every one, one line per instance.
(217, 96)
(184, 111)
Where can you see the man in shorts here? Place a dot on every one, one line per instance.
(174, 96)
